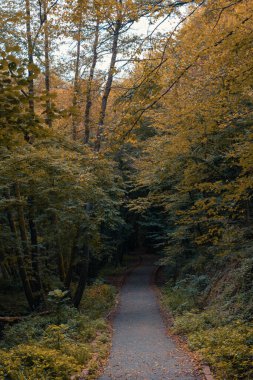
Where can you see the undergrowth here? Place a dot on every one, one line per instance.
(60, 345)
(212, 325)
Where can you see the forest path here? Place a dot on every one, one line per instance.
(141, 350)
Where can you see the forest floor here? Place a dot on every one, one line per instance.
(141, 349)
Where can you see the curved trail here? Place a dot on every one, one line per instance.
(140, 348)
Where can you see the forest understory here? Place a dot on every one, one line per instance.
(125, 126)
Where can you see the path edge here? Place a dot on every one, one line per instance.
(112, 313)
(168, 321)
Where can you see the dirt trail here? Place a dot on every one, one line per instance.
(140, 348)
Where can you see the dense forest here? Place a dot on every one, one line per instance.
(114, 141)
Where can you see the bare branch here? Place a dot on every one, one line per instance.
(42, 20)
(223, 10)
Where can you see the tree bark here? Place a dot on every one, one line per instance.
(89, 86)
(83, 277)
(44, 21)
(22, 226)
(4, 266)
(60, 260)
(37, 286)
(76, 80)
(21, 262)
(73, 254)
(30, 56)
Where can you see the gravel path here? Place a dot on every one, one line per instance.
(140, 348)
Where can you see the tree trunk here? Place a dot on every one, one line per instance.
(37, 285)
(89, 87)
(60, 260)
(21, 262)
(30, 56)
(83, 277)
(108, 86)
(47, 64)
(76, 80)
(4, 265)
(73, 254)
(22, 227)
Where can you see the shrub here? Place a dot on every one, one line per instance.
(55, 336)
(32, 328)
(25, 331)
(229, 349)
(35, 362)
(52, 351)
(184, 296)
(178, 300)
(60, 344)
(193, 284)
(224, 344)
(191, 322)
(97, 300)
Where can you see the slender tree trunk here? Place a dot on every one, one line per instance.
(47, 64)
(83, 277)
(89, 86)
(30, 55)
(4, 266)
(61, 266)
(37, 286)
(248, 213)
(21, 262)
(22, 225)
(60, 260)
(73, 254)
(76, 80)
(4, 271)
(108, 85)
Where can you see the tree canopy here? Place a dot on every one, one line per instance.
(111, 139)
